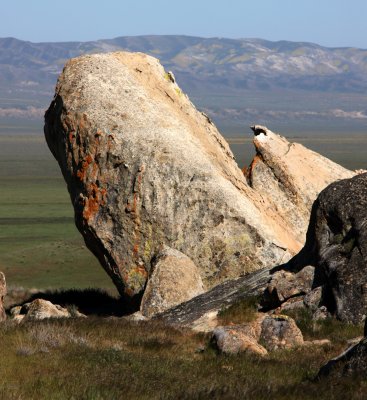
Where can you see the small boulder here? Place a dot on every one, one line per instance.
(280, 332)
(2, 295)
(174, 280)
(236, 339)
(39, 309)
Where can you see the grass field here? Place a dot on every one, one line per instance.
(99, 358)
(39, 244)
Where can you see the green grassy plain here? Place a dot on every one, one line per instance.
(39, 244)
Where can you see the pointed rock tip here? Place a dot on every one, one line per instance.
(258, 129)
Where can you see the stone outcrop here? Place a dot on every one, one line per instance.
(337, 246)
(290, 176)
(174, 280)
(145, 170)
(2, 296)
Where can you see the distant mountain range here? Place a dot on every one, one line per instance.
(230, 78)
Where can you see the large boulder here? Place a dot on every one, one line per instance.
(145, 169)
(2, 295)
(337, 246)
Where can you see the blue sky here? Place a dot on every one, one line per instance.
(327, 22)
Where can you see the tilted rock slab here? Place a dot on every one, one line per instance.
(290, 177)
(145, 169)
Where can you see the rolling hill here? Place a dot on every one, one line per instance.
(232, 79)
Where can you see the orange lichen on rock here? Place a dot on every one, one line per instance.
(96, 198)
(81, 173)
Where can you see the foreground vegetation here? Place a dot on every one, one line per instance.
(112, 358)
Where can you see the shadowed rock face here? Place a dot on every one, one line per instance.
(145, 169)
(337, 246)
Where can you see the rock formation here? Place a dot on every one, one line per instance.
(2, 295)
(145, 169)
(201, 311)
(337, 246)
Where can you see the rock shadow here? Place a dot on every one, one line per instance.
(91, 302)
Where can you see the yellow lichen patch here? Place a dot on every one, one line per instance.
(135, 280)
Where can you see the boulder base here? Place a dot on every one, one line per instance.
(175, 279)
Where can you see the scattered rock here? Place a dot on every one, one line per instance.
(337, 246)
(2, 296)
(280, 332)
(18, 295)
(235, 339)
(174, 280)
(206, 323)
